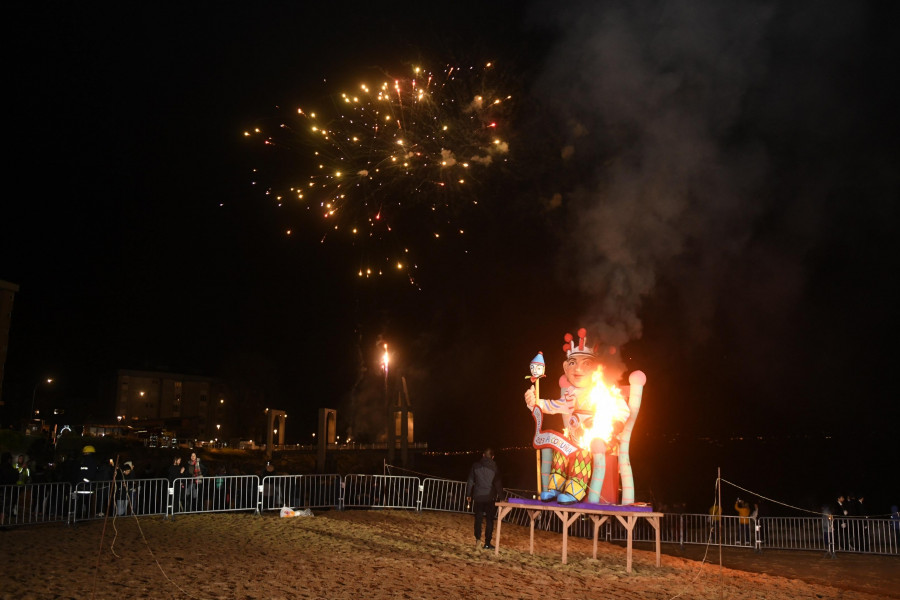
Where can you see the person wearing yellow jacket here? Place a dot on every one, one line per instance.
(743, 511)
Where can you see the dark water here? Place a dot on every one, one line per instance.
(679, 474)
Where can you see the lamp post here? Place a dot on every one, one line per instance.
(385, 361)
(34, 395)
(384, 365)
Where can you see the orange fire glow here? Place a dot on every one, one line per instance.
(603, 401)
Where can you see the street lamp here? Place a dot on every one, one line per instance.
(385, 360)
(34, 394)
(389, 433)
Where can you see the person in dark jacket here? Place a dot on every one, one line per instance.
(125, 489)
(482, 489)
(8, 496)
(83, 475)
(175, 471)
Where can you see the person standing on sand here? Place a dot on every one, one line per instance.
(8, 477)
(715, 520)
(895, 523)
(482, 488)
(743, 511)
(842, 511)
(194, 488)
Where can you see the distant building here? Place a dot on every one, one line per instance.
(193, 406)
(7, 294)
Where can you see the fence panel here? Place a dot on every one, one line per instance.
(301, 491)
(444, 494)
(60, 502)
(140, 497)
(796, 533)
(97, 499)
(386, 491)
(217, 493)
(91, 500)
(865, 535)
(34, 503)
(884, 535)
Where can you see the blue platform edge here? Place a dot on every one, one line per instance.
(623, 508)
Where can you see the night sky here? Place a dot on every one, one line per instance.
(712, 187)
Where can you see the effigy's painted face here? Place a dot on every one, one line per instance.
(579, 369)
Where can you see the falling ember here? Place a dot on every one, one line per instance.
(603, 402)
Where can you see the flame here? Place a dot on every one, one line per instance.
(602, 402)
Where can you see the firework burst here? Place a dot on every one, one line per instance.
(391, 164)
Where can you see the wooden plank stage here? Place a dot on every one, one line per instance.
(598, 513)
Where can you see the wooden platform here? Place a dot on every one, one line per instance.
(598, 513)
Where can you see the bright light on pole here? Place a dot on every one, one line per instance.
(385, 361)
(34, 394)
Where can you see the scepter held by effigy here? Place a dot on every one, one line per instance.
(537, 368)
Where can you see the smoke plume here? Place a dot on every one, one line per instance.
(684, 126)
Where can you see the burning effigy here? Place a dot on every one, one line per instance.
(584, 461)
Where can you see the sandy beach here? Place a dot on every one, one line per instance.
(395, 554)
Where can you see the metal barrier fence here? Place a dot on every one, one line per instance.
(307, 491)
(844, 534)
(34, 503)
(97, 499)
(61, 502)
(382, 491)
(445, 495)
(824, 534)
(217, 493)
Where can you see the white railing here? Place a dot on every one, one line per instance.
(97, 499)
(818, 533)
(216, 493)
(301, 491)
(382, 491)
(33, 503)
(444, 494)
(62, 502)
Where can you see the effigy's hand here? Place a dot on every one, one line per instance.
(530, 398)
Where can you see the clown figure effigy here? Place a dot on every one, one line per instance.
(573, 463)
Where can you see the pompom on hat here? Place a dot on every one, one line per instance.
(582, 347)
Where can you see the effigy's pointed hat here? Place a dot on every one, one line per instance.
(537, 367)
